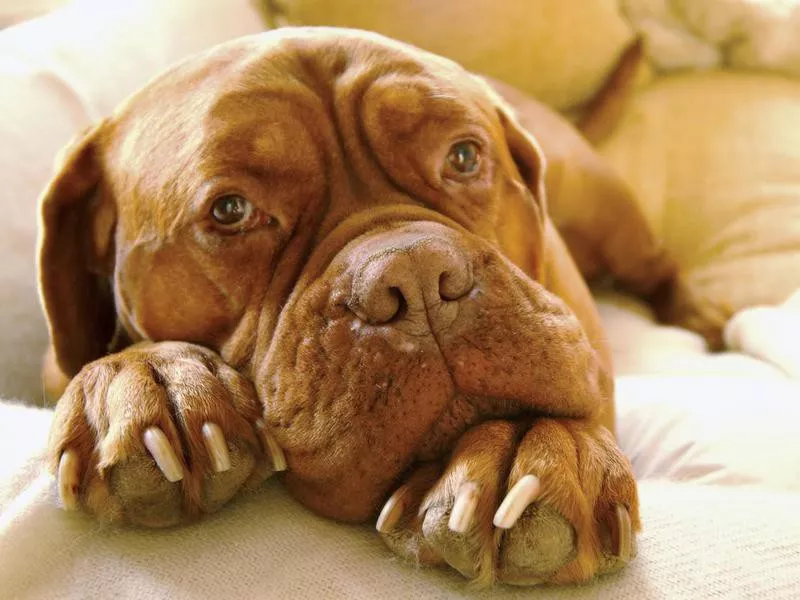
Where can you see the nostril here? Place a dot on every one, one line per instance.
(455, 283)
(381, 305)
(402, 304)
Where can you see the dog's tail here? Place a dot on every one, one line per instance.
(605, 110)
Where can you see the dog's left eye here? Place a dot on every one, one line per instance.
(464, 157)
(230, 210)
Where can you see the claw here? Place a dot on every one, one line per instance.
(393, 510)
(516, 501)
(157, 444)
(68, 479)
(216, 446)
(271, 446)
(463, 508)
(621, 533)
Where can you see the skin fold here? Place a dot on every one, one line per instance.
(381, 325)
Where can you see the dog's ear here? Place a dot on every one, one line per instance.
(528, 157)
(75, 256)
(523, 224)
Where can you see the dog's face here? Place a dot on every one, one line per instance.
(357, 225)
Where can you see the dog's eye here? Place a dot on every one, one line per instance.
(464, 157)
(231, 209)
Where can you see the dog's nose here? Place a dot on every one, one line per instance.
(402, 278)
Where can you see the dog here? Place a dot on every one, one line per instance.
(326, 254)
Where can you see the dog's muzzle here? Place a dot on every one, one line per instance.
(414, 332)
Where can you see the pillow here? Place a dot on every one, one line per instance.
(559, 51)
(736, 34)
(715, 159)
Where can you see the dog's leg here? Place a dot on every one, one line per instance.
(606, 232)
(54, 381)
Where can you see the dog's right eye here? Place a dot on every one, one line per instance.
(230, 210)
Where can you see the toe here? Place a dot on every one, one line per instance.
(399, 522)
(539, 544)
(219, 487)
(458, 510)
(144, 496)
(553, 538)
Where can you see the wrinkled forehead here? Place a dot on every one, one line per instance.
(258, 99)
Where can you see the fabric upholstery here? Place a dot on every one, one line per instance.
(714, 160)
(557, 50)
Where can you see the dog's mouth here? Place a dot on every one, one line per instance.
(410, 337)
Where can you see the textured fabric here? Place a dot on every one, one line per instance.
(713, 158)
(557, 50)
(699, 542)
(718, 430)
(57, 74)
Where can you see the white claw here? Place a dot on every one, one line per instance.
(623, 536)
(271, 446)
(217, 448)
(158, 445)
(392, 510)
(69, 479)
(525, 491)
(464, 508)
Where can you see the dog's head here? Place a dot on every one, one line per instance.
(356, 224)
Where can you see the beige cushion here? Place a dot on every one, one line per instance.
(715, 159)
(557, 50)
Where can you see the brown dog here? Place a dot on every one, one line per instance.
(359, 229)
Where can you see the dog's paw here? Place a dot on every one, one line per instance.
(157, 435)
(553, 502)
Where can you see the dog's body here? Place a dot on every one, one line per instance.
(360, 230)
